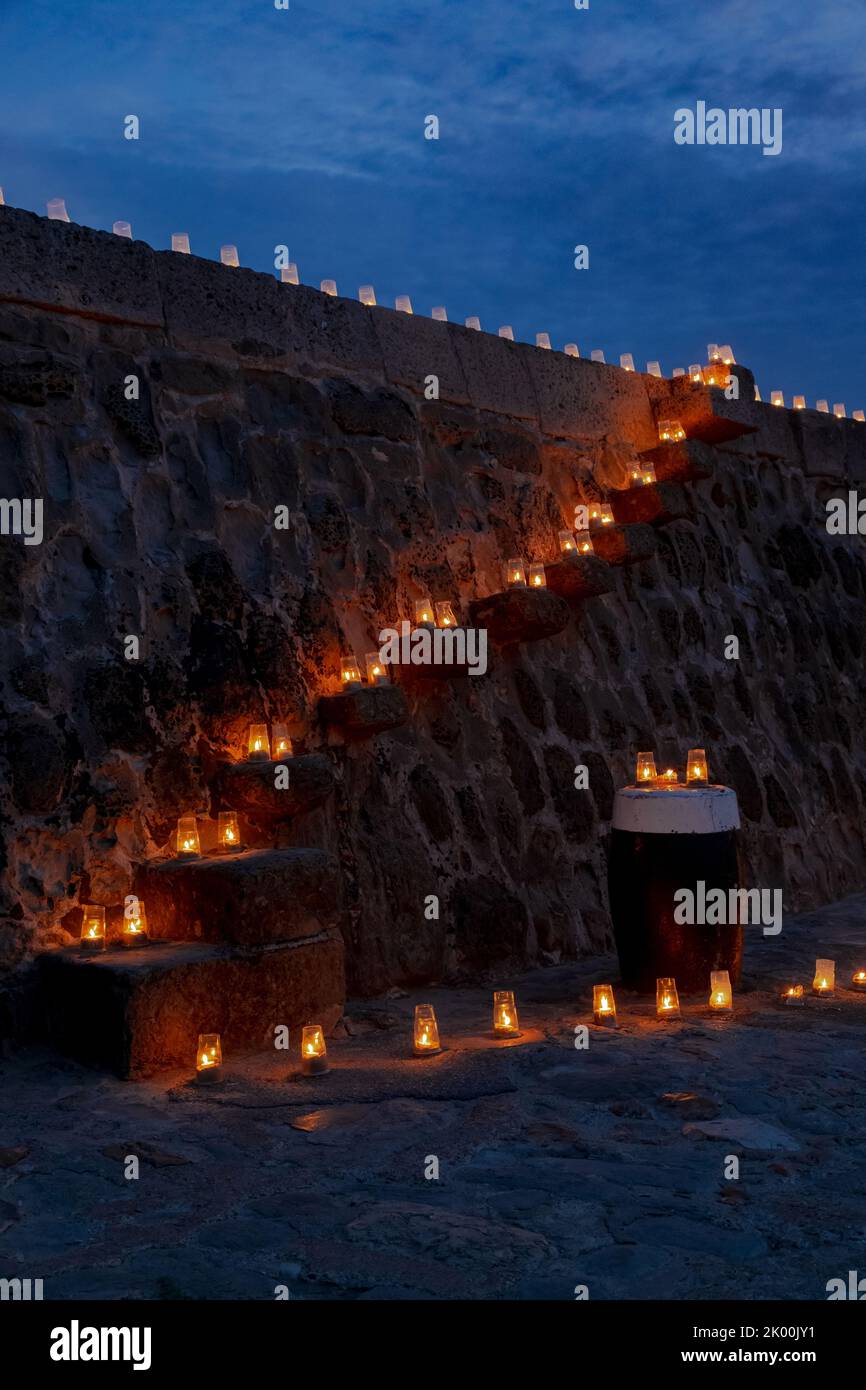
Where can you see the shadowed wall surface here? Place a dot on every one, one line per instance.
(159, 523)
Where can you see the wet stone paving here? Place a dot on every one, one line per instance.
(558, 1167)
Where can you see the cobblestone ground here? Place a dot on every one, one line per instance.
(557, 1167)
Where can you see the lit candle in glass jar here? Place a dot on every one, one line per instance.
(350, 674)
(445, 614)
(187, 836)
(258, 747)
(603, 1006)
(92, 928)
(671, 431)
(647, 474)
(667, 999)
(134, 922)
(377, 672)
(646, 769)
(537, 577)
(424, 612)
(426, 1032)
(209, 1057)
(505, 1024)
(515, 574)
(858, 980)
(696, 767)
(583, 542)
(281, 744)
(314, 1053)
(606, 517)
(721, 996)
(668, 778)
(824, 983)
(566, 542)
(794, 996)
(228, 833)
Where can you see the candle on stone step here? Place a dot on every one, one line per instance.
(505, 1022)
(377, 671)
(583, 542)
(208, 1058)
(92, 927)
(228, 832)
(667, 999)
(426, 1031)
(537, 577)
(824, 983)
(721, 996)
(258, 747)
(858, 980)
(314, 1051)
(444, 614)
(626, 361)
(794, 996)
(696, 372)
(671, 432)
(799, 402)
(603, 1006)
(350, 673)
(515, 574)
(281, 744)
(187, 836)
(777, 398)
(567, 542)
(134, 922)
(424, 612)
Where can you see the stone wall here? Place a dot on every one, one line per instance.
(159, 523)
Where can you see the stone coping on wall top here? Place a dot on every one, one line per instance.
(676, 810)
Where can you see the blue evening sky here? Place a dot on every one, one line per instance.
(306, 126)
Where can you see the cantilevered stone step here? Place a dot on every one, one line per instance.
(136, 1012)
(521, 615)
(252, 898)
(251, 786)
(705, 412)
(657, 503)
(370, 710)
(684, 462)
(579, 576)
(624, 545)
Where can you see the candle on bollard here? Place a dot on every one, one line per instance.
(824, 983)
(314, 1051)
(426, 1031)
(667, 999)
(505, 1022)
(721, 996)
(603, 1006)
(668, 778)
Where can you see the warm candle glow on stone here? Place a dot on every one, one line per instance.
(403, 304)
(667, 999)
(696, 372)
(626, 361)
(281, 744)
(823, 406)
(328, 287)
(583, 542)
(824, 983)
(777, 398)
(367, 294)
(603, 1006)
(505, 1023)
(134, 922)
(426, 1032)
(289, 274)
(721, 996)
(571, 350)
(606, 517)
(671, 432)
(799, 402)
(858, 980)
(542, 340)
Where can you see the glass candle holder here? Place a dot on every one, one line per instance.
(228, 831)
(56, 210)
(647, 474)
(696, 372)
(92, 928)
(505, 1022)
(444, 614)
(258, 747)
(377, 671)
(350, 673)
(721, 999)
(187, 837)
(583, 542)
(668, 778)
(328, 287)
(726, 354)
(626, 361)
(424, 613)
(542, 340)
(603, 1006)
(697, 774)
(439, 314)
(134, 932)
(777, 398)
(289, 274)
(671, 432)
(367, 295)
(314, 1051)
(208, 1058)
(571, 350)
(537, 577)
(281, 744)
(823, 406)
(858, 980)
(794, 996)
(426, 1031)
(403, 304)
(473, 322)
(123, 229)
(645, 773)
(514, 574)
(799, 402)
(824, 983)
(229, 255)
(839, 410)
(667, 999)
(606, 517)
(567, 542)
(506, 331)
(180, 242)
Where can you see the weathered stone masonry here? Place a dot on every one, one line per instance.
(159, 522)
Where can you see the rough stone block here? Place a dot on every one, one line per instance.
(249, 786)
(496, 372)
(414, 348)
(820, 443)
(579, 577)
(138, 1012)
(704, 412)
(60, 265)
(521, 615)
(625, 545)
(685, 462)
(369, 710)
(251, 898)
(656, 503)
(580, 399)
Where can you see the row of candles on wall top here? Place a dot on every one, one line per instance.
(697, 774)
(718, 356)
(721, 998)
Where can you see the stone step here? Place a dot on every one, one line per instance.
(655, 503)
(625, 545)
(685, 462)
(704, 411)
(250, 786)
(251, 898)
(521, 615)
(579, 577)
(370, 710)
(141, 1011)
